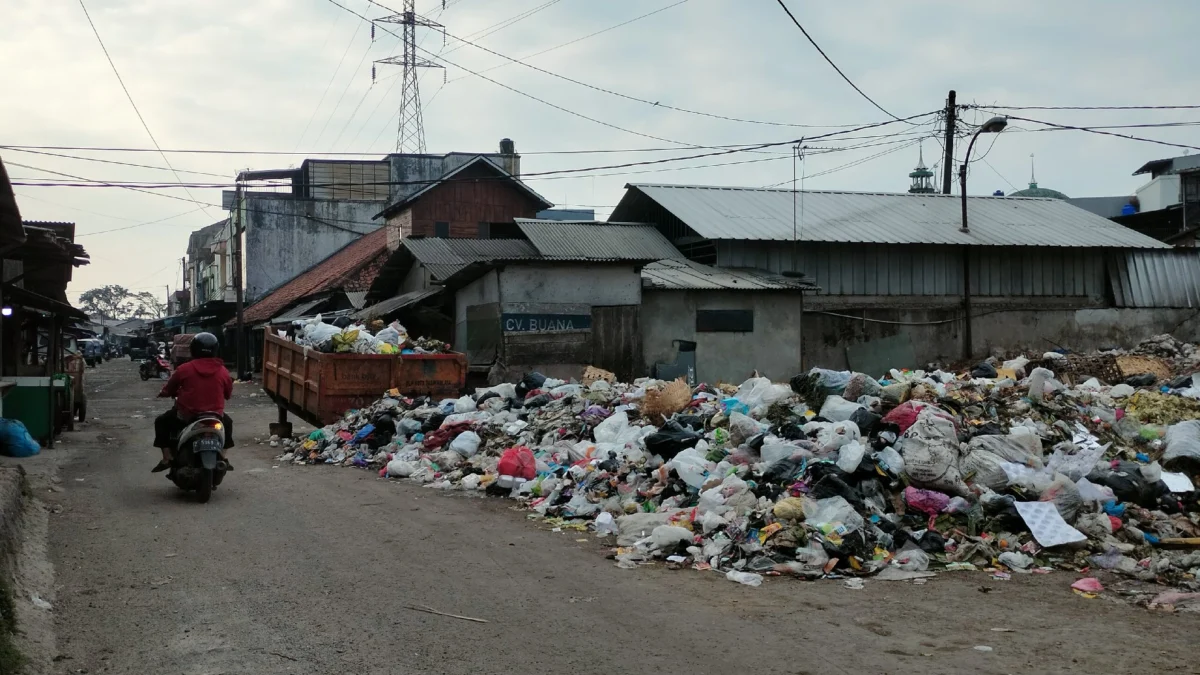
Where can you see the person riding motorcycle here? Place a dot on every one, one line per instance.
(201, 385)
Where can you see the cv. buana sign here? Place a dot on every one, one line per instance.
(545, 323)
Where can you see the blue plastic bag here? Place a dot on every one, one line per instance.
(15, 440)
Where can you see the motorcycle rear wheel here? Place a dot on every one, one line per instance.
(204, 486)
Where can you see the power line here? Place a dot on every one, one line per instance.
(130, 227)
(628, 97)
(830, 61)
(345, 89)
(110, 161)
(1100, 107)
(497, 27)
(127, 94)
(83, 148)
(580, 39)
(1104, 133)
(328, 84)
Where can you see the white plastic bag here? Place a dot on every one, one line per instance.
(838, 409)
(466, 443)
(398, 468)
(850, 456)
(832, 511)
(464, 405)
(692, 467)
(616, 430)
(1183, 442)
(669, 536)
(742, 427)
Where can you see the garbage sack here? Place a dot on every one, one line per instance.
(15, 440)
(931, 457)
(832, 381)
(1121, 391)
(830, 437)
(398, 468)
(519, 462)
(761, 391)
(1065, 496)
(984, 370)
(982, 467)
(464, 405)
(466, 444)
(1038, 380)
(669, 537)
(530, 382)
(616, 430)
(670, 439)
(1141, 380)
(904, 415)
(929, 502)
(865, 420)
(1183, 444)
(838, 409)
(859, 385)
(789, 508)
(1090, 492)
(1019, 448)
(775, 450)
(912, 558)
(830, 512)
(742, 428)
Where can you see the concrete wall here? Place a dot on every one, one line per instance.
(1159, 193)
(571, 283)
(286, 236)
(482, 291)
(772, 349)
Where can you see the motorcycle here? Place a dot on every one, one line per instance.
(155, 366)
(196, 462)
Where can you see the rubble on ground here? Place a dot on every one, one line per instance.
(1018, 466)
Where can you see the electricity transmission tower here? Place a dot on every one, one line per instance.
(410, 130)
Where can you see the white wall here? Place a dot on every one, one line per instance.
(1159, 193)
(482, 291)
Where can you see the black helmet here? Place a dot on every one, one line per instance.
(204, 346)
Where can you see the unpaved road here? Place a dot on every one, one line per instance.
(314, 570)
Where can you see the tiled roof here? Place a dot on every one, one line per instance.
(332, 273)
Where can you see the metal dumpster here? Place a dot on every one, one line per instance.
(319, 388)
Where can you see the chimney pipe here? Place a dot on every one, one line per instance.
(512, 161)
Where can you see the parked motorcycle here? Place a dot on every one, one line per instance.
(196, 462)
(155, 366)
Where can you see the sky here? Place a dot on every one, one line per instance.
(294, 76)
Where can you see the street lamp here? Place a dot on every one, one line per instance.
(992, 126)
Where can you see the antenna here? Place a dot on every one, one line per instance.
(410, 129)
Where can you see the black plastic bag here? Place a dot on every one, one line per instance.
(987, 429)
(537, 401)
(1141, 380)
(782, 471)
(485, 396)
(932, 542)
(528, 383)
(791, 431)
(866, 420)
(833, 485)
(694, 422)
(755, 442)
(671, 439)
(984, 369)
(433, 423)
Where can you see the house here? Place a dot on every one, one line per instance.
(293, 219)
(477, 199)
(210, 282)
(555, 296)
(1038, 273)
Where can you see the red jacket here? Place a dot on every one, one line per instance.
(200, 385)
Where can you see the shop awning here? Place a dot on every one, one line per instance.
(16, 296)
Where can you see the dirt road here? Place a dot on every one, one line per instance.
(315, 570)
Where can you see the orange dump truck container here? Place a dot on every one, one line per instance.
(319, 388)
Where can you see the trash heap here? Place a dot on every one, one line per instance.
(345, 337)
(1004, 466)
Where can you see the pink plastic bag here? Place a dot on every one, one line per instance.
(1088, 585)
(926, 501)
(518, 462)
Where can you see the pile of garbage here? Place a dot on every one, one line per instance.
(345, 337)
(1006, 466)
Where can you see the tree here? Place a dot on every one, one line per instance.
(108, 302)
(147, 306)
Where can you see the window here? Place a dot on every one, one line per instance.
(724, 321)
(485, 230)
(441, 230)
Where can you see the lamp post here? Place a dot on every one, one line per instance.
(992, 126)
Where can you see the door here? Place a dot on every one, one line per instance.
(617, 340)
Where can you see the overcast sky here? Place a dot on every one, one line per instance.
(260, 75)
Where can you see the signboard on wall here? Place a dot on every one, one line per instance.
(545, 323)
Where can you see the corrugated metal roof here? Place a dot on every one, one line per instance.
(1168, 278)
(682, 275)
(444, 257)
(565, 240)
(386, 307)
(883, 218)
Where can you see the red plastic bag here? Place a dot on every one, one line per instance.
(903, 415)
(518, 462)
(926, 501)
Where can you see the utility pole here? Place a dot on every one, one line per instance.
(240, 337)
(948, 160)
(410, 130)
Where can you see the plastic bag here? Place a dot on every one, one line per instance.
(616, 430)
(742, 427)
(317, 333)
(774, 450)
(830, 512)
(985, 468)
(466, 444)
(745, 578)
(637, 526)
(667, 537)
(670, 440)
(692, 467)
(850, 456)
(464, 405)
(838, 409)
(830, 437)
(1183, 443)
(861, 384)
(931, 456)
(15, 440)
(890, 460)
(398, 468)
(1020, 447)
(832, 381)
(1037, 383)
(929, 502)
(528, 383)
(912, 558)
(519, 462)
(1065, 496)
